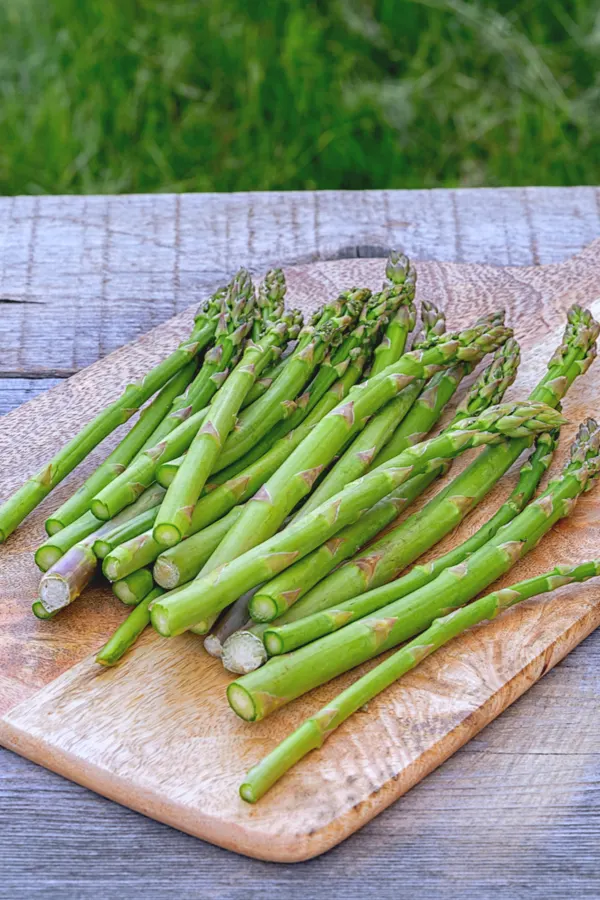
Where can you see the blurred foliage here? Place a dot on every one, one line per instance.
(231, 95)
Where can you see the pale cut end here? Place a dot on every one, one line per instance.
(46, 557)
(165, 574)
(100, 510)
(263, 608)
(166, 534)
(241, 702)
(54, 593)
(110, 569)
(243, 652)
(122, 591)
(53, 526)
(213, 645)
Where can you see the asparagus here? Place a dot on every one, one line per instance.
(141, 473)
(295, 478)
(142, 550)
(57, 545)
(174, 518)
(316, 729)
(133, 588)
(284, 678)
(232, 619)
(305, 623)
(400, 272)
(120, 534)
(123, 454)
(278, 595)
(258, 419)
(39, 612)
(128, 632)
(208, 595)
(67, 578)
(31, 494)
(386, 558)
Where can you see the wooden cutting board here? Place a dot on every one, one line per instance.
(156, 733)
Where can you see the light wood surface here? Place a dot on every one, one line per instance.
(156, 733)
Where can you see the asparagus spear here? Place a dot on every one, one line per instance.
(284, 678)
(67, 578)
(400, 272)
(294, 479)
(278, 595)
(258, 419)
(122, 455)
(305, 623)
(211, 593)
(128, 632)
(57, 545)
(174, 518)
(31, 494)
(386, 558)
(232, 619)
(142, 550)
(316, 729)
(118, 535)
(133, 588)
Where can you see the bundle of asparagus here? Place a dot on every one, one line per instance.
(272, 451)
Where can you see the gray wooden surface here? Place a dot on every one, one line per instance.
(516, 813)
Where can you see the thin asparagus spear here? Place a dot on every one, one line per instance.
(386, 558)
(400, 272)
(128, 632)
(143, 550)
(216, 590)
(284, 678)
(39, 612)
(316, 729)
(306, 625)
(122, 455)
(278, 595)
(174, 518)
(68, 577)
(294, 479)
(137, 477)
(258, 419)
(57, 545)
(133, 588)
(103, 545)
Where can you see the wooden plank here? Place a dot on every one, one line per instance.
(408, 731)
(84, 275)
(15, 391)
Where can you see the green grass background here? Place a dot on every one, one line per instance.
(228, 95)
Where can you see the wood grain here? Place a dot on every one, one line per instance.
(156, 734)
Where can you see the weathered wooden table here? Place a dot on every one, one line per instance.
(514, 814)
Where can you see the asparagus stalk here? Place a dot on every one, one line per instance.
(208, 595)
(316, 729)
(128, 632)
(174, 518)
(284, 678)
(133, 588)
(57, 545)
(295, 478)
(118, 535)
(143, 550)
(229, 623)
(126, 487)
(67, 578)
(122, 455)
(31, 494)
(386, 558)
(400, 272)
(258, 419)
(278, 595)
(305, 624)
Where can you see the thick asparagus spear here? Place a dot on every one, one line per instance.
(304, 625)
(112, 539)
(174, 518)
(142, 550)
(231, 620)
(128, 632)
(31, 494)
(122, 455)
(68, 577)
(315, 730)
(386, 558)
(278, 595)
(284, 678)
(295, 478)
(208, 595)
(133, 588)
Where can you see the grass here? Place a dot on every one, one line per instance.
(224, 95)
